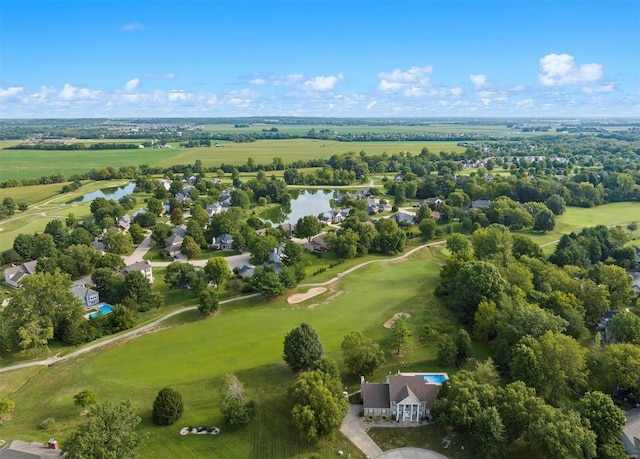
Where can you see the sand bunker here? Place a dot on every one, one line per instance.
(389, 323)
(300, 297)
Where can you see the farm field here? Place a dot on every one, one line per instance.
(244, 338)
(19, 164)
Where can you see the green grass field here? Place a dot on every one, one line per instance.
(19, 164)
(245, 338)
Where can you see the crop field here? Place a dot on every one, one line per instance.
(19, 164)
(245, 338)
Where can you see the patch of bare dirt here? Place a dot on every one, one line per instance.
(300, 297)
(389, 323)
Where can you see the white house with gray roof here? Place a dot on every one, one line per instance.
(14, 275)
(402, 397)
(142, 266)
(89, 297)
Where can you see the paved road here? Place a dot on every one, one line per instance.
(352, 429)
(411, 453)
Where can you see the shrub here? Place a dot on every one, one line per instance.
(167, 407)
(47, 423)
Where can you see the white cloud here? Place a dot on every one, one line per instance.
(277, 80)
(132, 85)
(478, 80)
(160, 76)
(414, 91)
(71, 92)
(456, 92)
(397, 80)
(371, 104)
(132, 26)
(603, 89)
(524, 104)
(323, 83)
(178, 95)
(11, 92)
(561, 70)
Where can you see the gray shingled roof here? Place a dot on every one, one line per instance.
(375, 395)
(400, 386)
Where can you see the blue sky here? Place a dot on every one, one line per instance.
(106, 58)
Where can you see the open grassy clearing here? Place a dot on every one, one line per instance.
(52, 205)
(245, 338)
(576, 218)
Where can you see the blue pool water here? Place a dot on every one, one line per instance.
(434, 378)
(102, 310)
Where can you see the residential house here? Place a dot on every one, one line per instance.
(213, 209)
(631, 433)
(402, 217)
(635, 283)
(402, 397)
(166, 183)
(174, 239)
(480, 203)
(19, 449)
(14, 275)
(124, 223)
(316, 244)
(432, 201)
(89, 297)
(142, 266)
(288, 228)
(435, 214)
(398, 178)
(224, 242)
(247, 271)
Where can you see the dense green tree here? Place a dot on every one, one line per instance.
(154, 206)
(625, 328)
(137, 233)
(137, 287)
(167, 407)
(493, 243)
(447, 350)
(116, 241)
(262, 246)
(109, 433)
(318, 405)
(217, 271)
(267, 282)
(159, 233)
(302, 347)
(190, 248)
(177, 216)
(544, 221)
(327, 365)
(457, 243)
(622, 366)
(490, 433)
(308, 226)
(85, 398)
(235, 407)
(401, 335)
(561, 434)
(605, 419)
(523, 245)
(476, 281)
(617, 281)
(463, 346)
(518, 405)
(24, 244)
(362, 357)
(427, 228)
(391, 238)
(292, 253)
(208, 301)
(556, 204)
(240, 198)
(344, 244)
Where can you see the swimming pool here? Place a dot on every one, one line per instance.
(431, 378)
(103, 309)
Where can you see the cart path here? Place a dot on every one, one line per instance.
(139, 331)
(130, 334)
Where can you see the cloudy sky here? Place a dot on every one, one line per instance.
(349, 58)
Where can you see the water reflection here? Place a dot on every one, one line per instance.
(307, 202)
(114, 192)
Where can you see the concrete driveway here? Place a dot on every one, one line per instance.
(411, 453)
(352, 429)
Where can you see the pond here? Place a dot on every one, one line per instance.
(114, 192)
(308, 202)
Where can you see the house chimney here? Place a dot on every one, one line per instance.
(53, 444)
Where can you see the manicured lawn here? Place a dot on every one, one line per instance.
(576, 218)
(245, 338)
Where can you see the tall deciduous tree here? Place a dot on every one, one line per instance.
(361, 356)
(302, 347)
(606, 420)
(401, 336)
(308, 226)
(208, 301)
(318, 405)
(85, 398)
(217, 270)
(108, 433)
(234, 405)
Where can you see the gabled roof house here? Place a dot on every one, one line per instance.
(14, 275)
(401, 397)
